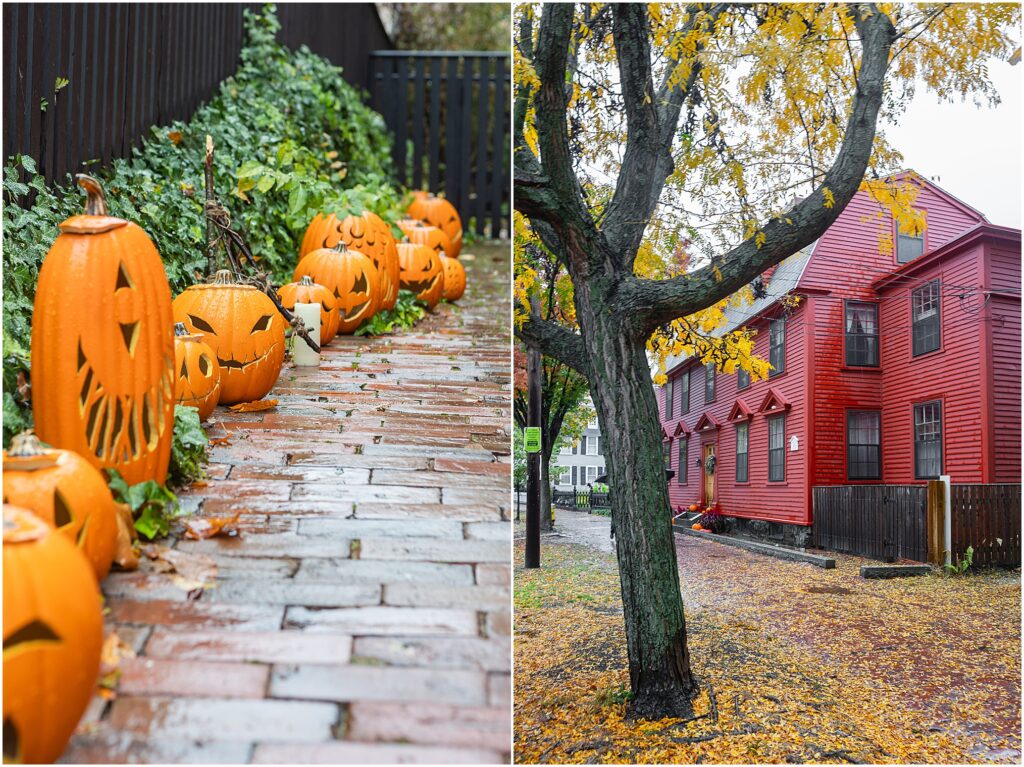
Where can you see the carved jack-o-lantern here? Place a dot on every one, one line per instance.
(244, 329)
(454, 278)
(102, 344)
(352, 279)
(424, 234)
(367, 233)
(66, 491)
(438, 212)
(422, 272)
(53, 633)
(197, 373)
(305, 291)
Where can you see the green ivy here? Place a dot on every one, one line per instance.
(292, 139)
(188, 449)
(406, 313)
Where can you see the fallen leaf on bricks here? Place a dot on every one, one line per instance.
(208, 527)
(253, 407)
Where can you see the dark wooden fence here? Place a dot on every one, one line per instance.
(129, 66)
(453, 107)
(987, 518)
(580, 499)
(884, 522)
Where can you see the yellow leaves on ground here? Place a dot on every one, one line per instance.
(253, 407)
(796, 664)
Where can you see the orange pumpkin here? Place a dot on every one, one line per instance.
(305, 291)
(422, 272)
(696, 526)
(244, 329)
(66, 491)
(424, 234)
(454, 278)
(694, 507)
(438, 212)
(102, 344)
(352, 279)
(367, 233)
(197, 373)
(53, 634)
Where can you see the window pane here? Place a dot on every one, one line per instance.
(928, 440)
(927, 334)
(777, 345)
(670, 395)
(776, 449)
(861, 334)
(684, 463)
(741, 452)
(863, 445)
(742, 379)
(908, 247)
(574, 476)
(709, 383)
(685, 382)
(667, 453)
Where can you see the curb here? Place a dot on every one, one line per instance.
(779, 552)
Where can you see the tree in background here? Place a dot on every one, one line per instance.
(745, 129)
(448, 26)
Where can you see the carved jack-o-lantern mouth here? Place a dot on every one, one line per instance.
(234, 364)
(419, 286)
(356, 310)
(121, 427)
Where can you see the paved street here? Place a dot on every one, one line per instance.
(362, 615)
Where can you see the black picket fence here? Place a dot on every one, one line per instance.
(450, 115)
(129, 66)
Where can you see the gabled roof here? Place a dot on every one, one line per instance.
(774, 402)
(783, 281)
(664, 435)
(681, 428)
(740, 412)
(955, 202)
(706, 422)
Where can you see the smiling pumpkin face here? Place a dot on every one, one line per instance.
(53, 632)
(438, 212)
(66, 491)
(245, 331)
(422, 272)
(102, 345)
(351, 278)
(197, 373)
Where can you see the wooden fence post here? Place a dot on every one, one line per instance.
(936, 522)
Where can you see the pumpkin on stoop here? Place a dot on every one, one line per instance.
(197, 373)
(53, 636)
(102, 344)
(352, 279)
(244, 329)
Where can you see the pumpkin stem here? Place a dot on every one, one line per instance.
(180, 329)
(25, 444)
(223, 277)
(95, 199)
(306, 280)
(340, 247)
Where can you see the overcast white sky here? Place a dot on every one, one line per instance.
(974, 154)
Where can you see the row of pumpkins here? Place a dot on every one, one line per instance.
(106, 376)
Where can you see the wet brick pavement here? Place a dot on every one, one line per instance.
(363, 613)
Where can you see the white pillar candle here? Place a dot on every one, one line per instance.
(302, 352)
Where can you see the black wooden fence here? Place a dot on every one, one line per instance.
(986, 518)
(453, 107)
(884, 522)
(129, 66)
(580, 499)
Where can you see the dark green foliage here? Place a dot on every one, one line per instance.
(292, 139)
(407, 312)
(152, 506)
(188, 451)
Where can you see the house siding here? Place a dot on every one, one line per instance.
(975, 373)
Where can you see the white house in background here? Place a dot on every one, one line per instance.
(580, 464)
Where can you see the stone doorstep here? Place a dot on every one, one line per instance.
(779, 552)
(894, 571)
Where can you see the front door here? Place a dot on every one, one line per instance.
(709, 476)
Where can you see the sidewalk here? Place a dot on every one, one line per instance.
(362, 615)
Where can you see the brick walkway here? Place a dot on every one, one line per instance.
(363, 613)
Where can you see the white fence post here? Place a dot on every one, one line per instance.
(947, 534)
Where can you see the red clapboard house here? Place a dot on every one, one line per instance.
(894, 368)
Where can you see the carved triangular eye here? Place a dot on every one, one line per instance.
(200, 324)
(130, 333)
(123, 280)
(61, 511)
(359, 286)
(205, 366)
(184, 370)
(261, 324)
(36, 631)
(11, 748)
(325, 307)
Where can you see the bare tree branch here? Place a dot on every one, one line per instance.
(657, 302)
(556, 342)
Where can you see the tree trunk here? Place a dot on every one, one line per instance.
(546, 523)
(620, 385)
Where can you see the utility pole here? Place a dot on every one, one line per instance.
(533, 459)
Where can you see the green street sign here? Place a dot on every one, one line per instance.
(532, 439)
